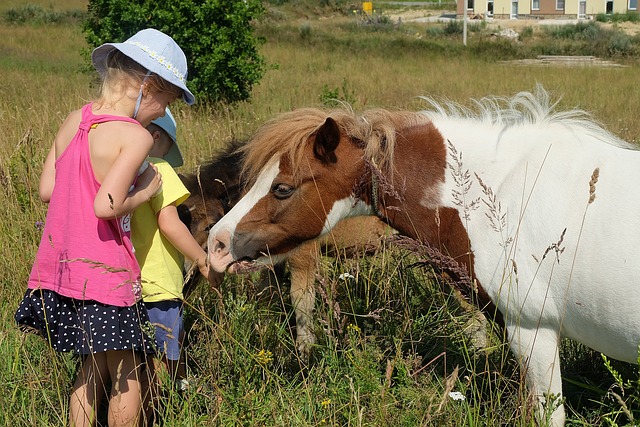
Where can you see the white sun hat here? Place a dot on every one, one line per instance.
(168, 124)
(155, 51)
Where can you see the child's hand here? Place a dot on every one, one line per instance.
(150, 181)
(204, 269)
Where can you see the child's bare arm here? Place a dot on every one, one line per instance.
(63, 138)
(48, 176)
(178, 234)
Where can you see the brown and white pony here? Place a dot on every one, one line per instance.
(216, 186)
(541, 207)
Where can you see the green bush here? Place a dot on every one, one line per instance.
(216, 36)
(332, 98)
(453, 28)
(580, 31)
(589, 39)
(526, 33)
(618, 17)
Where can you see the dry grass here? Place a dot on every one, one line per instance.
(42, 81)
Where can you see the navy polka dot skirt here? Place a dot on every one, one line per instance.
(85, 326)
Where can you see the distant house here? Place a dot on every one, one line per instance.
(581, 9)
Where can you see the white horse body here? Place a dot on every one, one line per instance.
(550, 205)
(582, 283)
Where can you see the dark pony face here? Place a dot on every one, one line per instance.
(215, 187)
(291, 201)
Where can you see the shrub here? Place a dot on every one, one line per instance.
(216, 36)
(305, 31)
(590, 39)
(580, 31)
(618, 17)
(620, 44)
(453, 28)
(526, 33)
(332, 98)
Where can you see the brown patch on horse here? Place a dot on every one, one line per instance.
(419, 215)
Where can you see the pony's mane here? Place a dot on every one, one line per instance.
(287, 133)
(375, 129)
(525, 108)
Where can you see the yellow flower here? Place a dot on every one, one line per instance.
(264, 357)
(354, 328)
(326, 403)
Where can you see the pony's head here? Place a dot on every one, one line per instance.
(306, 170)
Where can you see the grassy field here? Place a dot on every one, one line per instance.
(391, 344)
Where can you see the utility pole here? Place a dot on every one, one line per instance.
(464, 22)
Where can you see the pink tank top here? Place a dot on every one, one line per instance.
(81, 256)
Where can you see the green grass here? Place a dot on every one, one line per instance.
(391, 344)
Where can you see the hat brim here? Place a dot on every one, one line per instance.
(174, 156)
(99, 59)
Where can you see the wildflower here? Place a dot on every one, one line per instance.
(137, 289)
(39, 225)
(345, 276)
(456, 395)
(325, 403)
(354, 328)
(264, 357)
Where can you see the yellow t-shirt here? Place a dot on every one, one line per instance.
(160, 262)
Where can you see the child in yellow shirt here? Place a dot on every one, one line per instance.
(162, 241)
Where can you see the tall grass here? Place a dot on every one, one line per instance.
(391, 343)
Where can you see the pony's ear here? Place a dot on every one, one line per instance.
(327, 139)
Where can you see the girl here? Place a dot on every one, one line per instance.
(84, 289)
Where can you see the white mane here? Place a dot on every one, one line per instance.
(525, 108)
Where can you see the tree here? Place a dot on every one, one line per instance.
(216, 36)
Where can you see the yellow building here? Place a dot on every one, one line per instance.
(544, 8)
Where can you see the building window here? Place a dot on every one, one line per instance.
(535, 4)
(470, 4)
(633, 4)
(560, 4)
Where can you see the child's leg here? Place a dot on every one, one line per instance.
(150, 387)
(88, 390)
(125, 402)
(178, 368)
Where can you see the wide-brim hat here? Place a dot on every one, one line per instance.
(168, 124)
(155, 51)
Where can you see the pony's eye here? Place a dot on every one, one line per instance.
(282, 191)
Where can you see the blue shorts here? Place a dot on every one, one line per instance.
(166, 316)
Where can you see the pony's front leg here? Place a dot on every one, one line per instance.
(302, 267)
(538, 356)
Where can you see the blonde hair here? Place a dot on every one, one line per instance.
(122, 72)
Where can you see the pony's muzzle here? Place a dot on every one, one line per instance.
(220, 250)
